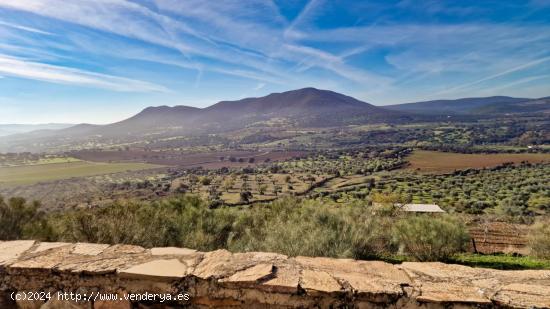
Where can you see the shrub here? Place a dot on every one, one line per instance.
(539, 239)
(428, 238)
(21, 220)
(290, 226)
(294, 227)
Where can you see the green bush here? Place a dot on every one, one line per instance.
(21, 220)
(290, 226)
(185, 222)
(428, 238)
(309, 228)
(539, 239)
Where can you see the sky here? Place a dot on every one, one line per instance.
(100, 61)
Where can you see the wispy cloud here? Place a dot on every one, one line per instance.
(494, 76)
(224, 33)
(259, 86)
(24, 28)
(62, 75)
(522, 81)
(303, 18)
(376, 49)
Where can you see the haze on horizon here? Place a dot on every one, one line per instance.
(104, 60)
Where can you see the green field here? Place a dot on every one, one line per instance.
(19, 175)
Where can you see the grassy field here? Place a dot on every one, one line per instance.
(435, 162)
(44, 172)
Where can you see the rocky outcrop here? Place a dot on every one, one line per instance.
(52, 272)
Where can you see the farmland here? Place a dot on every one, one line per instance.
(442, 162)
(26, 159)
(247, 189)
(187, 159)
(262, 187)
(29, 174)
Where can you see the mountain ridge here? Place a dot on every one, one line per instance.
(306, 103)
(306, 107)
(456, 106)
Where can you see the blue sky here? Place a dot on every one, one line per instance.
(100, 61)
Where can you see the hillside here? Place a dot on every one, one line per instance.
(302, 108)
(152, 119)
(308, 107)
(541, 105)
(458, 106)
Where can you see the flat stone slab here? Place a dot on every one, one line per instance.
(523, 296)
(172, 251)
(11, 250)
(157, 269)
(371, 280)
(251, 275)
(286, 280)
(43, 246)
(448, 283)
(319, 281)
(89, 249)
(452, 293)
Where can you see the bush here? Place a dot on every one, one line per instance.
(289, 226)
(21, 220)
(294, 227)
(539, 239)
(428, 238)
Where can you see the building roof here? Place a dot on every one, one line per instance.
(422, 208)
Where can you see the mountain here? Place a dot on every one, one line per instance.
(303, 107)
(308, 107)
(9, 129)
(541, 105)
(295, 102)
(458, 106)
(151, 119)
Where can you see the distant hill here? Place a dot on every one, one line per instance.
(295, 102)
(459, 106)
(303, 107)
(152, 119)
(541, 105)
(9, 129)
(308, 107)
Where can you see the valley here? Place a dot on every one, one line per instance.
(280, 153)
(274, 154)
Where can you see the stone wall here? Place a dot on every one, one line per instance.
(499, 237)
(252, 280)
